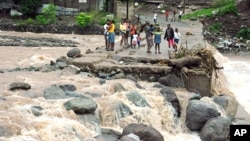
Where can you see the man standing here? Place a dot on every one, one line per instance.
(148, 37)
(169, 36)
(111, 38)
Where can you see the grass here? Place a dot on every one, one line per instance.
(208, 12)
(203, 12)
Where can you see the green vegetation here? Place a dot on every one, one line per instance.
(215, 28)
(83, 19)
(48, 15)
(200, 13)
(244, 33)
(220, 7)
(29, 7)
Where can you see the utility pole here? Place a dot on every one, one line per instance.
(127, 9)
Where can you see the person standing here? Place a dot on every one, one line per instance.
(134, 41)
(169, 36)
(174, 15)
(155, 18)
(157, 40)
(111, 31)
(122, 32)
(177, 36)
(180, 14)
(166, 14)
(132, 32)
(139, 40)
(105, 28)
(148, 37)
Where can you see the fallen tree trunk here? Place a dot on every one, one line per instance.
(185, 62)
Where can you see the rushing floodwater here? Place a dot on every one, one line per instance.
(57, 124)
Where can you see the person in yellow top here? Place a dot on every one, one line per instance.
(122, 32)
(111, 31)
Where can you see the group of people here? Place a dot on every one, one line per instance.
(109, 35)
(173, 19)
(153, 34)
(153, 37)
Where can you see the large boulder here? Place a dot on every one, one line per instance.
(229, 103)
(74, 53)
(216, 129)
(198, 112)
(137, 99)
(170, 96)
(171, 80)
(19, 85)
(81, 105)
(145, 132)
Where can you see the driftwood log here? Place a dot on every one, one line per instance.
(185, 62)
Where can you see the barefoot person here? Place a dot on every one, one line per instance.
(111, 30)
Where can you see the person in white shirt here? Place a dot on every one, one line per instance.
(105, 28)
(180, 14)
(134, 40)
(177, 36)
(155, 18)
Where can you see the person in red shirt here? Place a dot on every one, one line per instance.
(166, 14)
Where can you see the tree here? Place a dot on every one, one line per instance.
(29, 7)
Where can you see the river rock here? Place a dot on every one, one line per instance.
(131, 77)
(105, 137)
(116, 87)
(36, 110)
(198, 112)
(54, 92)
(137, 99)
(229, 103)
(170, 96)
(67, 87)
(70, 70)
(127, 138)
(109, 131)
(171, 80)
(145, 132)
(89, 118)
(74, 53)
(216, 129)
(19, 85)
(81, 105)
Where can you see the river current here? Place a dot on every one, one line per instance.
(58, 124)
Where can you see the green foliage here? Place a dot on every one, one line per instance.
(29, 7)
(83, 19)
(48, 15)
(220, 3)
(244, 33)
(199, 13)
(221, 6)
(229, 8)
(215, 28)
(28, 21)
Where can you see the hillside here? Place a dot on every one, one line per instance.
(230, 24)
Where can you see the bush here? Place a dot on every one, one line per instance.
(29, 7)
(29, 21)
(244, 33)
(83, 19)
(215, 28)
(229, 8)
(48, 15)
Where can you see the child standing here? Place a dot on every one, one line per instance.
(139, 40)
(157, 40)
(134, 40)
(176, 38)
